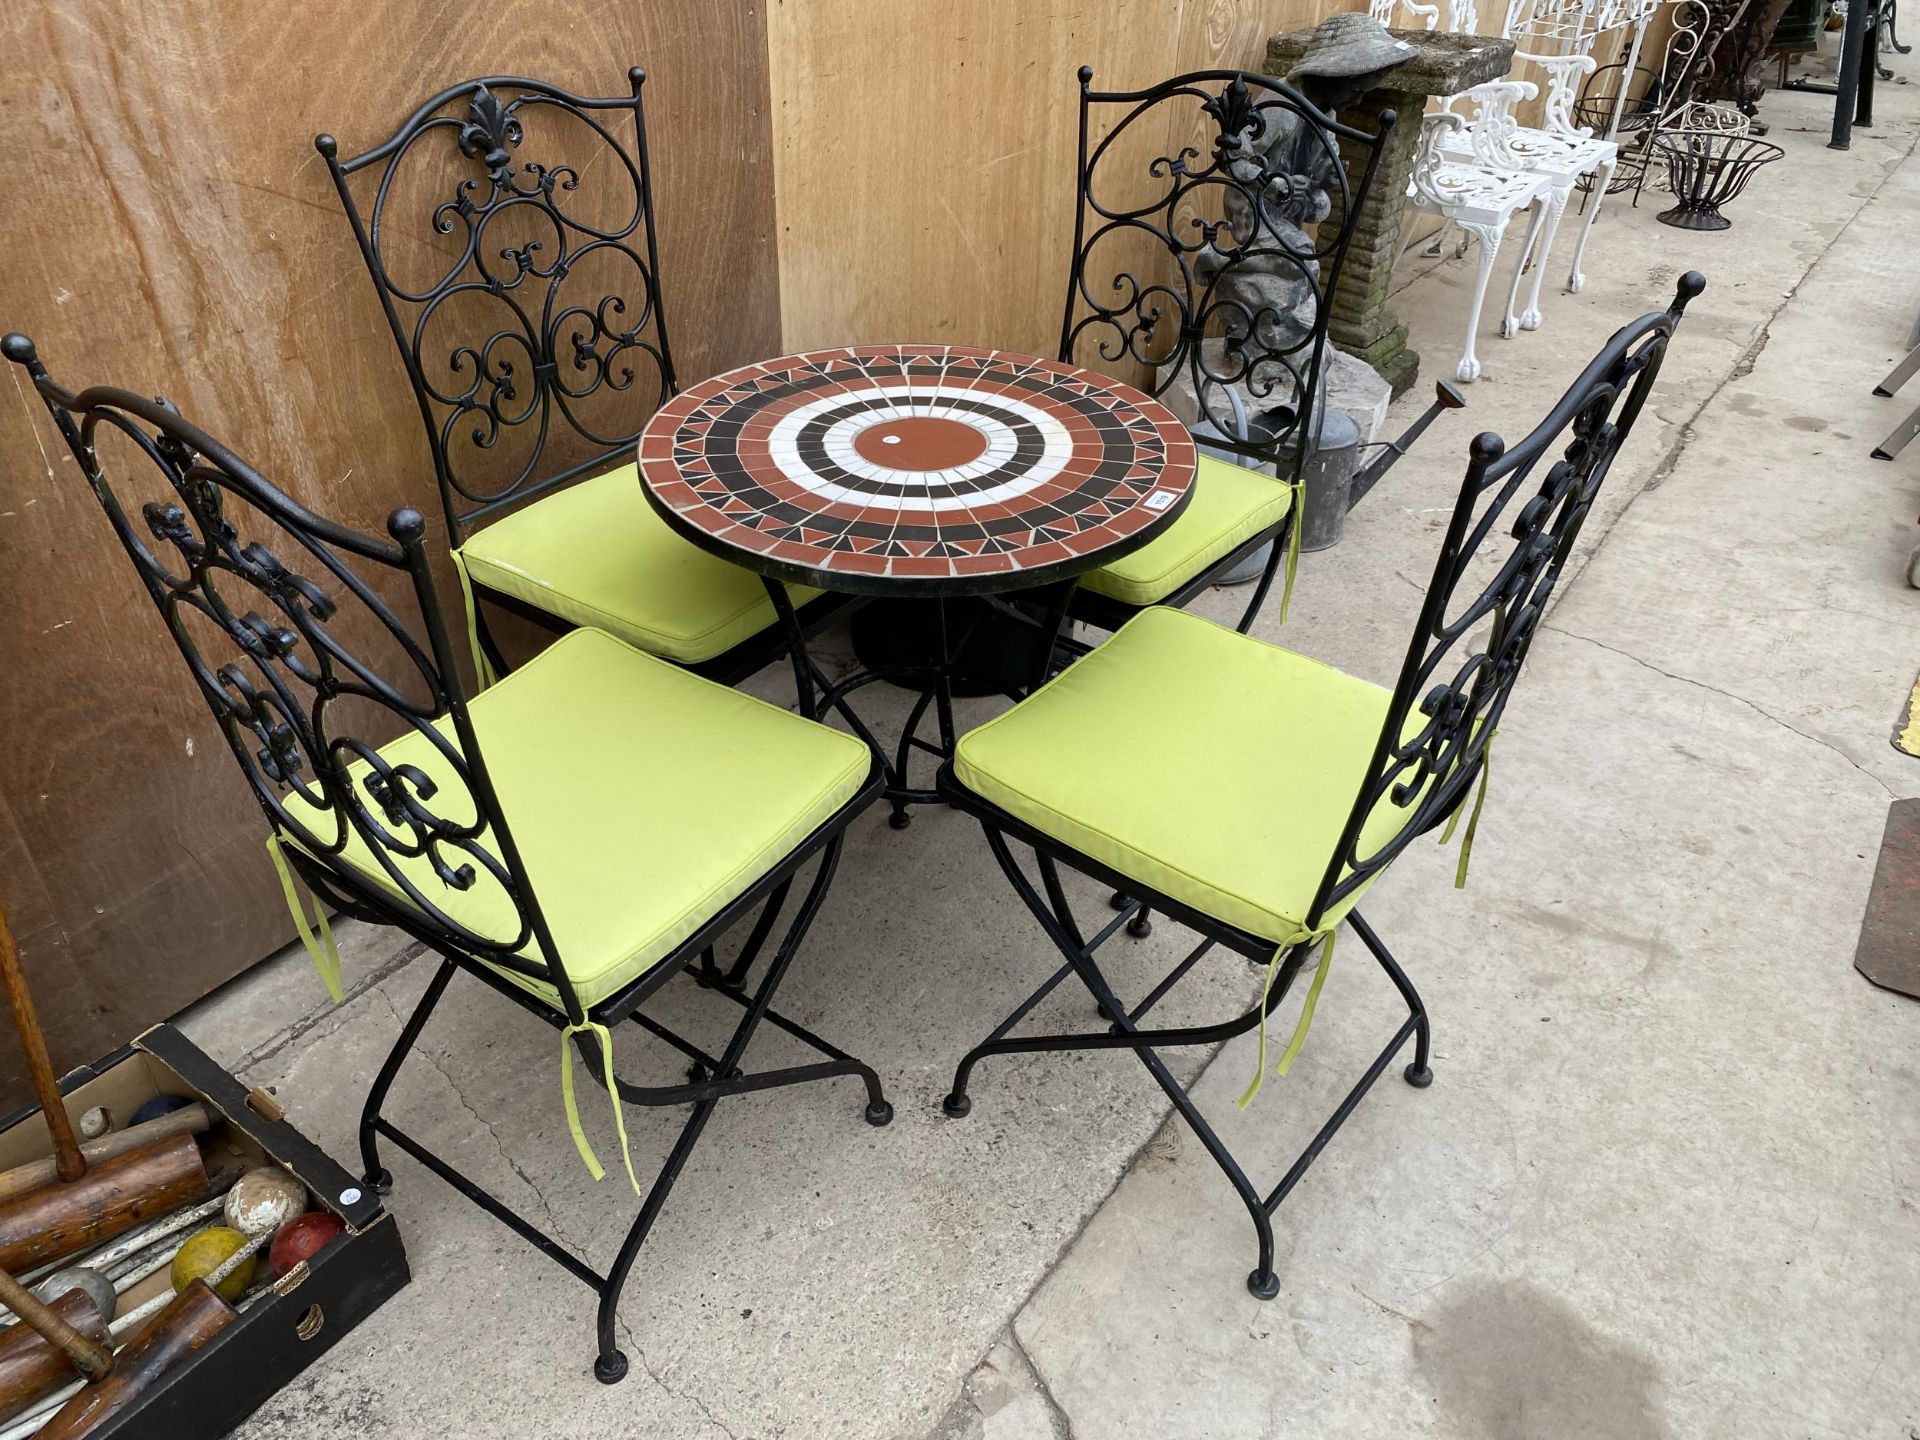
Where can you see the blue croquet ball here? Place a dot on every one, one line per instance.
(159, 1105)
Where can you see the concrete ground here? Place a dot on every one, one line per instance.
(1664, 1184)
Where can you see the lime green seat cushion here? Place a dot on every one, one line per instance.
(596, 553)
(1230, 506)
(1209, 766)
(642, 798)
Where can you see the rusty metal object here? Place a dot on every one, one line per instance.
(1889, 949)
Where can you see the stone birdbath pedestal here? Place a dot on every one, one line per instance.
(1362, 324)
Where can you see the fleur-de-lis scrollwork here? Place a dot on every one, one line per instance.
(1233, 111)
(489, 134)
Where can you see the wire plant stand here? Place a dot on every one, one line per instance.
(1708, 169)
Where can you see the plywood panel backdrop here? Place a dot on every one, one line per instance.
(170, 228)
(924, 151)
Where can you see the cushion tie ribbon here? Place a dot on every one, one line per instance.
(580, 1141)
(1473, 820)
(1305, 1022)
(483, 671)
(1299, 488)
(321, 950)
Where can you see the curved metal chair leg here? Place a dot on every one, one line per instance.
(374, 1175)
(1509, 321)
(1468, 369)
(1530, 317)
(1419, 1073)
(1282, 538)
(1602, 179)
(610, 1365)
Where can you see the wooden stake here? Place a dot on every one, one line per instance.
(71, 1165)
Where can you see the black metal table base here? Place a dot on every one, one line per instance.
(939, 648)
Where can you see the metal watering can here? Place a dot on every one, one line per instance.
(1327, 467)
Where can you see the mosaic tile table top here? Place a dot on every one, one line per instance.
(916, 469)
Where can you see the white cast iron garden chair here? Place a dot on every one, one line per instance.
(1565, 153)
(1480, 195)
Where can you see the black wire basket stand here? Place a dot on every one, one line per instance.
(1707, 170)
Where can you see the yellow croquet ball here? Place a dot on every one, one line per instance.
(205, 1253)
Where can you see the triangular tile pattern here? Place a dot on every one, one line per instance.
(1123, 448)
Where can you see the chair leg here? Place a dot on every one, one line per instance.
(1141, 924)
(1418, 1073)
(1530, 317)
(1489, 236)
(1062, 930)
(611, 1365)
(375, 1176)
(1058, 924)
(1602, 178)
(723, 1078)
(1509, 321)
(1903, 433)
(1900, 374)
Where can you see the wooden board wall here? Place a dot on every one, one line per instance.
(924, 151)
(170, 229)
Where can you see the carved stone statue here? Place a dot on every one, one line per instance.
(1264, 267)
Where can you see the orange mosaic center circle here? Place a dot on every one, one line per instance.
(920, 442)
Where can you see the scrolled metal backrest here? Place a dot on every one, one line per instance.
(271, 610)
(1384, 11)
(1692, 56)
(1206, 269)
(511, 240)
(1455, 682)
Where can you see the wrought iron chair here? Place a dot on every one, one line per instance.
(1198, 267)
(511, 241)
(1255, 795)
(716, 810)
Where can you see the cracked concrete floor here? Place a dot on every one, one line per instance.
(1663, 1184)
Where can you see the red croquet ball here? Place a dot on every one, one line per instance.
(301, 1238)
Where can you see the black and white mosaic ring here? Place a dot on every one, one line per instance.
(916, 469)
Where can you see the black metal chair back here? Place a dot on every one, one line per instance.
(511, 240)
(1457, 678)
(264, 599)
(1214, 213)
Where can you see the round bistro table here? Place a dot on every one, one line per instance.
(922, 473)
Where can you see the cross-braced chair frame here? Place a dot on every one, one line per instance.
(1222, 219)
(1451, 693)
(564, 358)
(285, 688)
